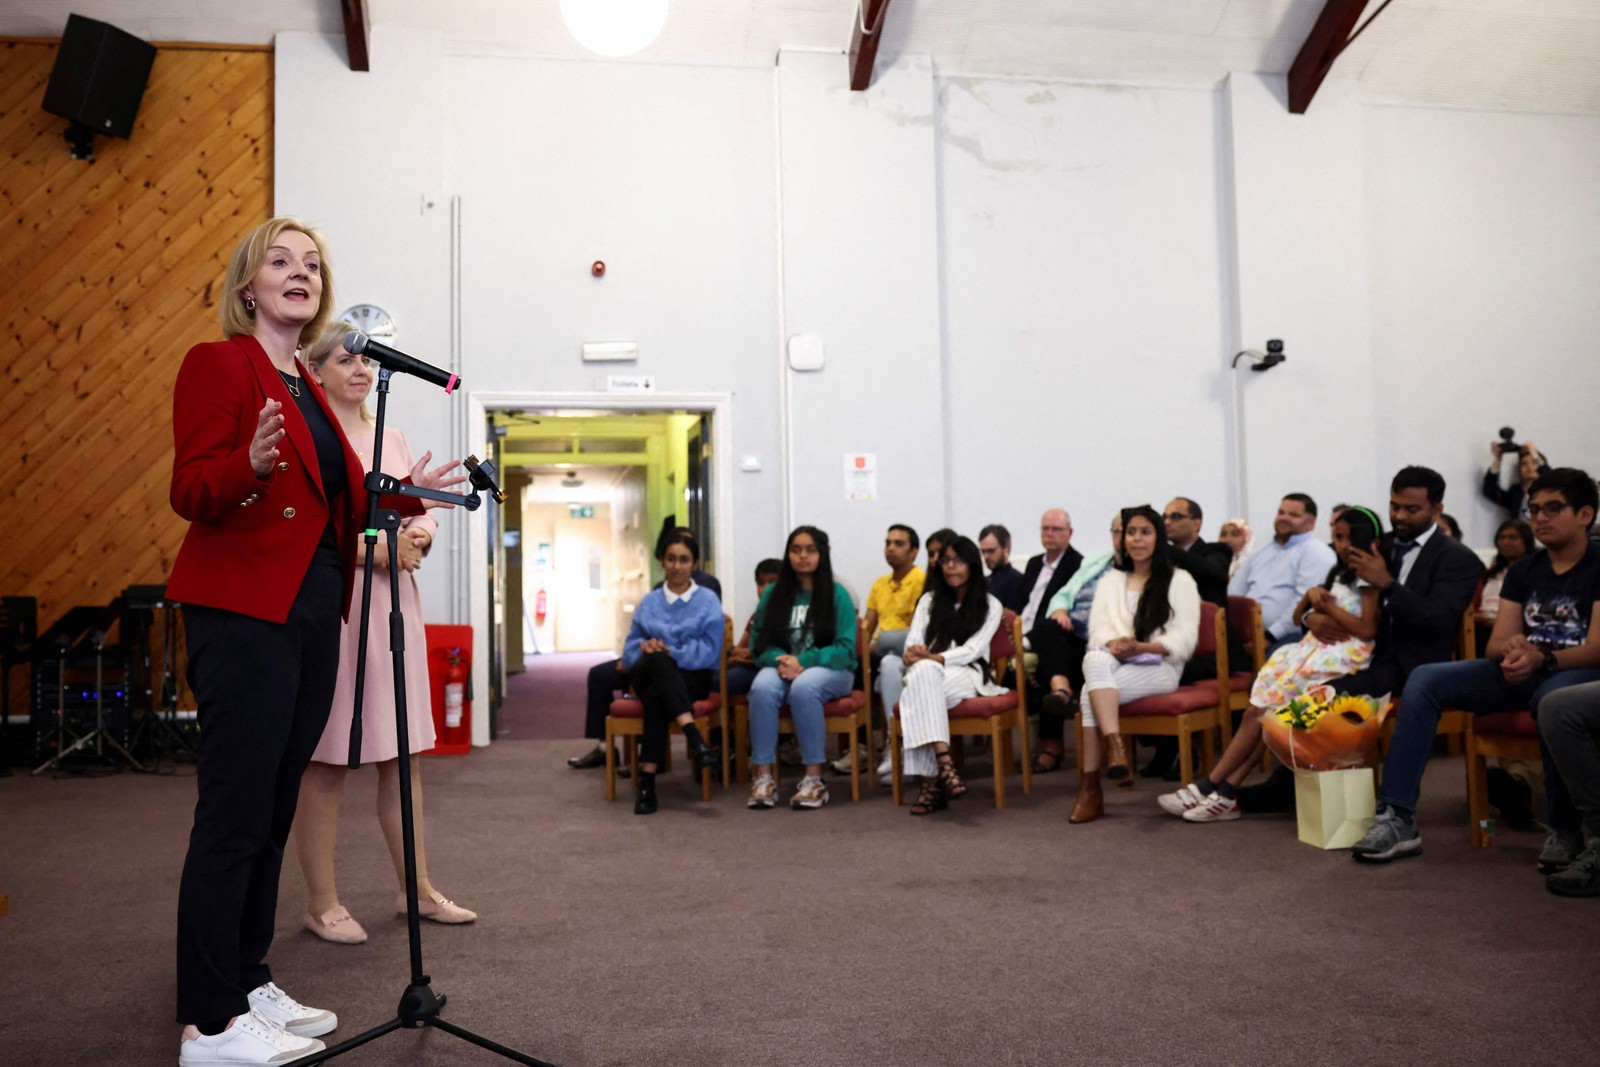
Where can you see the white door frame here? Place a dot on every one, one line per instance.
(481, 402)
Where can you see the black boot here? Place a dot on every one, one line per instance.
(644, 800)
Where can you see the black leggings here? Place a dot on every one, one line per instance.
(264, 690)
(667, 691)
(1059, 652)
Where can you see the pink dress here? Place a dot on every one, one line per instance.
(378, 736)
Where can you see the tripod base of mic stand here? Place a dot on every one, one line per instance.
(420, 1007)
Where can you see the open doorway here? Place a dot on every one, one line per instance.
(571, 552)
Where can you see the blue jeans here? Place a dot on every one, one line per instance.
(1475, 686)
(805, 697)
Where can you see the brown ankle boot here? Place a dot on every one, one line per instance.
(1117, 766)
(1091, 805)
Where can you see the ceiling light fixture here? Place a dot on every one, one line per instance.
(614, 27)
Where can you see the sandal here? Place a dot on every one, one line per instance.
(931, 797)
(1055, 758)
(949, 781)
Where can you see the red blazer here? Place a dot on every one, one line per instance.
(251, 540)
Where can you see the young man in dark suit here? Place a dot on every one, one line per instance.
(1427, 582)
(1005, 581)
(1546, 637)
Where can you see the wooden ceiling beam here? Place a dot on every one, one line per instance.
(1323, 45)
(356, 31)
(864, 41)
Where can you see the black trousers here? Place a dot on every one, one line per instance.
(264, 690)
(667, 691)
(1060, 652)
(604, 681)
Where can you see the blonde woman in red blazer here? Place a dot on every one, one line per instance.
(273, 495)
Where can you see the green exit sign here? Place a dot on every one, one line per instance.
(581, 511)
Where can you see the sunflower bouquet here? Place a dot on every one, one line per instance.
(1321, 730)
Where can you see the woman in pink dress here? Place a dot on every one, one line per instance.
(348, 380)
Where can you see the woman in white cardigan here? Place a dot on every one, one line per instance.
(946, 656)
(1142, 629)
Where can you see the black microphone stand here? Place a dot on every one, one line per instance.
(419, 1004)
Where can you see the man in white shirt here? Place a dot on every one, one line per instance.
(1278, 574)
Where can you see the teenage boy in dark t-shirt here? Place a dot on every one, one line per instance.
(1546, 637)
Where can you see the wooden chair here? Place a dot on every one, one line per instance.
(626, 719)
(993, 717)
(1511, 735)
(845, 716)
(1244, 622)
(1198, 707)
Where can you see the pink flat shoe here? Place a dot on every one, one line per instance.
(336, 925)
(436, 908)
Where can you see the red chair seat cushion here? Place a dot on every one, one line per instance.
(1188, 698)
(985, 707)
(849, 704)
(1241, 681)
(1515, 723)
(633, 707)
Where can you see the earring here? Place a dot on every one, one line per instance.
(250, 305)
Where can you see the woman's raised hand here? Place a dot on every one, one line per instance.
(435, 479)
(264, 445)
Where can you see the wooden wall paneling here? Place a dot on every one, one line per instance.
(108, 273)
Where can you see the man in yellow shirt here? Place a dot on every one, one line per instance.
(890, 605)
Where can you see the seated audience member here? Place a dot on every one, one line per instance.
(1512, 541)
(1206, 563)
(672, 654)
(1060, 643)
(1425, 583)
(1569, 727)
(890, 605)
(1343, 648)
(1241, 541)
(1047, 572)
(1281, 571)
(608, 678)
(1142, 629)
(1005, 581)
(936, 542)
(741, 664)
(946, 654)
(1544, 639)
(1531, 463)
(805, 644)
(1449, 526)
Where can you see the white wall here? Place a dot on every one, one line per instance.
(860, 270)
(1082, 296)
(1484, 233)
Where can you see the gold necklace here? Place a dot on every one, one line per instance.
(292, 381)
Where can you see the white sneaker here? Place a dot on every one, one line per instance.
(1215, 808)
(276, 1006)
(885, 767)
(763, 792)
(813, 793)
(250, 1041)
(1176, 803)
(842, 764)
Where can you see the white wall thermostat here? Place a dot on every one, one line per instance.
(805, 352)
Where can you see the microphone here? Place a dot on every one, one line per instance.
(359, 344)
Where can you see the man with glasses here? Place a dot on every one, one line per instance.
(1005, 581)
(1206, 563)
(1544, 639)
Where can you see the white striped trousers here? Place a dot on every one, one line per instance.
(1102, 670)
(931, 690)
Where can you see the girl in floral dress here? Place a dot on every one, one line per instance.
(1350, 611)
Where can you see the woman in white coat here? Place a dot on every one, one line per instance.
(1143, 626)
(946, 661)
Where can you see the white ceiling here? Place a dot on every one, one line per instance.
(1519, 55)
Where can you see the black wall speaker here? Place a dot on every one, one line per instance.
(99, 77)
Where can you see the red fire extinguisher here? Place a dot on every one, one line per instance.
(541, 606)
(455, 689)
